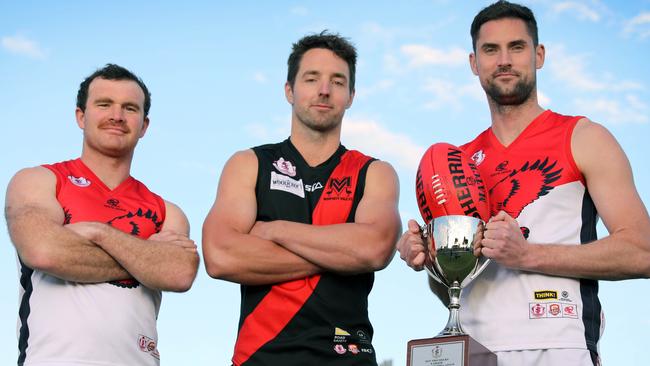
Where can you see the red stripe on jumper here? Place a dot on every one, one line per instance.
(284, 300)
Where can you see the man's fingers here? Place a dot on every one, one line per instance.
(418, 262)
(488, 252)
(413, 226)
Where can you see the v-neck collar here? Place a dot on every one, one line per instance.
(95, 179)
(532, 126)
(294, 151)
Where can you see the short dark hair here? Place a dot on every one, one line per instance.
(111, 72)
(333, 42)
(500, 10)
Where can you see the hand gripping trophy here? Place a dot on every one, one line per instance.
(453, 203)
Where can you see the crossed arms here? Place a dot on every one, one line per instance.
(91, 252)
(239, 249)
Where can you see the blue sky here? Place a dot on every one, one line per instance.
(216, 72)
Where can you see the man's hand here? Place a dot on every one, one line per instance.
(87, 229)
(175, 238)
(411, 247)
(504, 242)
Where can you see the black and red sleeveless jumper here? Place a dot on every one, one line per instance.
(321, 319)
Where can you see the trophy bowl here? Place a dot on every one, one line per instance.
(454, 265)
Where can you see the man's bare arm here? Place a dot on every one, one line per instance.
(35, 222)
(230, 251)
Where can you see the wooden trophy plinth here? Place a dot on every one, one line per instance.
(461, 350)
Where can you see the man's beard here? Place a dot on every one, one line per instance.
(313, 123)
(517, 96)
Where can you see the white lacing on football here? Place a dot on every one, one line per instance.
(438, 189)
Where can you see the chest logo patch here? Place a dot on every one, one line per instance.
(525, 185)
(285, 167)
(478, 157)
(79, 181)
(339, 189)
(287, 184)
(313, 187)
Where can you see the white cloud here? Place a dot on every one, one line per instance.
(20, 45)
(543, 99)
(391, 64)
(299, 10)
(374, 139)
(377, 32)
(421, 55)
(640, 25)
(276, 130)
(580, 10)
(373, 33)
(380, 86)
(571, 70)
(607, 98)
(449, 94)
(630, 109)
(260, 77)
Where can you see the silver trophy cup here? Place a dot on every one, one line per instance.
(454, 265)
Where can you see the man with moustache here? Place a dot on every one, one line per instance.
(95, 246)
(548, 176)
(303, 224)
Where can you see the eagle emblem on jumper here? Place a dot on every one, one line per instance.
(135, 224)
(524, 185)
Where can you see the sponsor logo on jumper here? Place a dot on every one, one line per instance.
(148, 345)
(340, 335)
(353, 348)
(79, 181)
(537, 311)
(565, 295)
(502, 166)
(339, 349)
(524, 186)
(478, 157)
(285, 167)
(363, 338)
(553, 310)
(114, 204)
(283, 183)
(340, 332)
(545, 295)
(569, 311)
(339, 189)
(313, 187)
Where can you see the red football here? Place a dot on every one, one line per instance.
(448, 183)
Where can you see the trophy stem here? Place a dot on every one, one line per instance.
(453, 327)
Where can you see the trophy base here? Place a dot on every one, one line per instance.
(461, 350)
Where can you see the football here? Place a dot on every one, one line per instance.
(448, 183)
